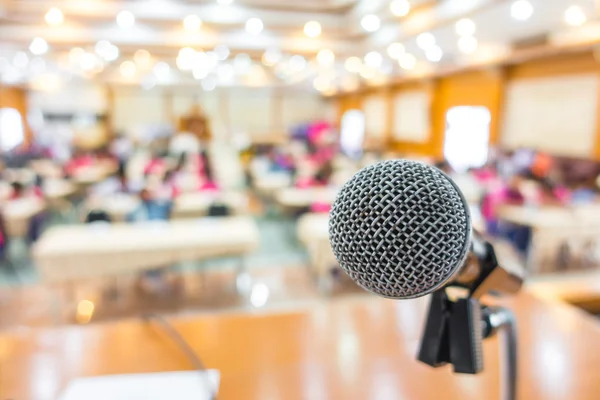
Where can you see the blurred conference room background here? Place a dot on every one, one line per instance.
(181, 157)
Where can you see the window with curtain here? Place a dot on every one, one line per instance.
(12, 133)
(467, 137)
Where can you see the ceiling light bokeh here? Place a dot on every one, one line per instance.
(54, 16)
(373, 59)
(353, 64)
(222, 52)
(142, 58)
(322, 83)
(128, 69)
(325, 57)
(20, 60)
(162, 71)
(370, 23)
(574, 16)
(521, 10)
(38, 46)
(242, 63)
(88, 61)
(192, 23)
(125, 19)
(426, 40)
(254, 26)
(106, 50)
(186, 58)
(434, 54)
(395, 50)
(400, 8)
(271, 57)
(465, 27)
(297, 63)
(312, 29)
(407, 61)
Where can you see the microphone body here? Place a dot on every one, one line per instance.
(402, 229)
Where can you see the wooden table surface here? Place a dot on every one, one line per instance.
(360, 347)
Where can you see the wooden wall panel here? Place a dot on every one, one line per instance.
(565, 64)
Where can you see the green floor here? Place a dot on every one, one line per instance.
(279, 247)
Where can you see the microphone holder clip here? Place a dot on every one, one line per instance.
(453, 334)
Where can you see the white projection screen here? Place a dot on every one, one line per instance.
(412, 118)
(556, 115)
(375, 109)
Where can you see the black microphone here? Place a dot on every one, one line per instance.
(402, 229)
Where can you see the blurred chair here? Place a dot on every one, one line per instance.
(219, 209)
(3, 241)
(97, 216)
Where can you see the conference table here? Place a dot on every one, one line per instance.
(552, 227)
(58, 189)
(118, 205)
(187, 205)
(46, 168)
(70, 252)
(197, 204)
(18, 214)
(268, 183)
(91, 174)
(301, 198)
(358, 347)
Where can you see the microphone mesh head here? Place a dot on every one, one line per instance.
(400, 229)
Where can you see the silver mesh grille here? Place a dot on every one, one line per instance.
(400, 228)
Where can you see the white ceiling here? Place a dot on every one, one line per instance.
(159, 29)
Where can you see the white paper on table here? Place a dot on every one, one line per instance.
(187, 385)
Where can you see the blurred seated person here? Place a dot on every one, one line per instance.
(109, 186)
(550, 194)
(196, 123)
(3, 239)
(121, 148)
(156, 165)
(19, 191)
(324, 173)
(184, 143)
(496, 196)
(511, 194)
(157, 199)
(584, 193)
(193, 173)
(206, 171)
(488, 174)
(305, 174)
(444, 166)
(80, 160)
(151, 209)
(541, 166)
